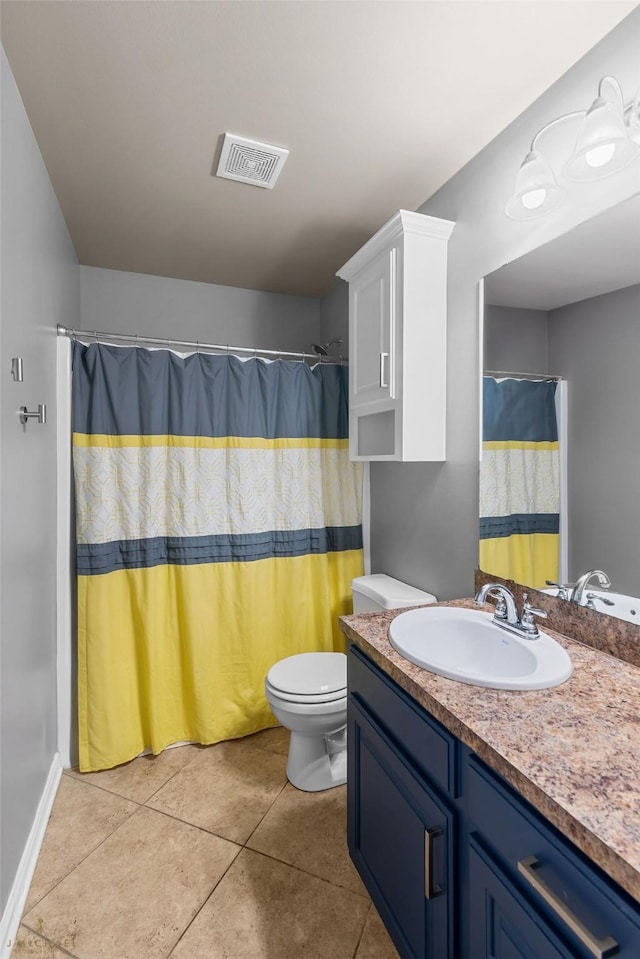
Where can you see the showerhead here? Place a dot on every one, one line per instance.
(324, 350)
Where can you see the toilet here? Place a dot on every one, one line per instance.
(307, 692)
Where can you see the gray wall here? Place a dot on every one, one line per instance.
(515, 340)
(425, 515)
(595, 344)
(118, 302)
(334, 317)
(40, 288)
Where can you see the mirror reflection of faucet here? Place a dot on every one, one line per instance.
(583, 581)
(575, 592)
(591, 601)
(563, 588)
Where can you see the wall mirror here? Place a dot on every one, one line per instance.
(572, 308)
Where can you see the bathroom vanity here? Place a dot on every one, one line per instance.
(491, 823)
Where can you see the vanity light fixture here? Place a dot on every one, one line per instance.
(608, 140)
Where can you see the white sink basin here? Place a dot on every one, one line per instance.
(466, 645)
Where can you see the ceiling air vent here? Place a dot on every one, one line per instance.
(250, 161)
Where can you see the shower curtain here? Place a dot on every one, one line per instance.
(520, 481)
(218, 530)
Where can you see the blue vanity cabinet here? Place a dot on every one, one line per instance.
(401, 829)
(458, 864)
(500, 923)
(529, 892)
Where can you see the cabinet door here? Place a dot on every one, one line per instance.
(400, 839)
(371, 333)
(501, 925)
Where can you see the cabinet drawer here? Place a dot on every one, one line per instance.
(420, 737)
(501, 924)
(586, 908)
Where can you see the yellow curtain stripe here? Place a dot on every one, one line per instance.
(520, 445)
(530, 558)
(193, 666)
(102, 440)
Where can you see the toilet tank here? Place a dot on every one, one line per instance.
(378, 592)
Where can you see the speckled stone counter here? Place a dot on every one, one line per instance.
(572, 751)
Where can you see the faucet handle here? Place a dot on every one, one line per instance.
(501, 607)
(563, 588)
(591, 597)
(529, 613)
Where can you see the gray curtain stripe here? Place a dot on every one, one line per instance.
(518, 411)
(495, 527)
(134, 391)
(97, 558)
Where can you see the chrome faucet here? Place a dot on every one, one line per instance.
(506, 614)
(506, 609)
(584, 580)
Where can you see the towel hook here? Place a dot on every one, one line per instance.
(40, 414)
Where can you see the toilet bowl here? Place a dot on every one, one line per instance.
(307, 693)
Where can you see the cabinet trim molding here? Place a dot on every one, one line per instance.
(402, 223)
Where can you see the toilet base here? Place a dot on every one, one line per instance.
(317, 762)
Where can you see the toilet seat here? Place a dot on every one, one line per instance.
(303, 698)
(309, 678)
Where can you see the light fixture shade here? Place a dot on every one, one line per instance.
(536, 192)
(603, 146)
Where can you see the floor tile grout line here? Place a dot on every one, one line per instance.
(199, 910)
(193, 759)
(312, 875)
(193, 825)
(75, 774)
(103, 789)
(257, 826)
(168, 816)
(80, 861)
(260, 852)
(282, 863)
(361, 937)
(240, 846)
(139, 802)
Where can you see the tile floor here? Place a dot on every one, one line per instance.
(199, 853)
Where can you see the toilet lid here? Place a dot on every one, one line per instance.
(310, 674)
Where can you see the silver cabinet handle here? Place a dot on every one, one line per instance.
(600, 948)
(430, 889)
(383, 357)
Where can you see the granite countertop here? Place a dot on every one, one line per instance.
(573, 751)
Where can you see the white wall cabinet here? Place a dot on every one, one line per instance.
(398, 341)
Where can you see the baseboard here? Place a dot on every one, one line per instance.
(12, 914)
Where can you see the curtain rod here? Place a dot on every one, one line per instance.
(195, 345)
(551, 377)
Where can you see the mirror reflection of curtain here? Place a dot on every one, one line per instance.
(520, 480)
(218, 527)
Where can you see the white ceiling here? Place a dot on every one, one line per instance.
(379, 104)
(596, 257)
